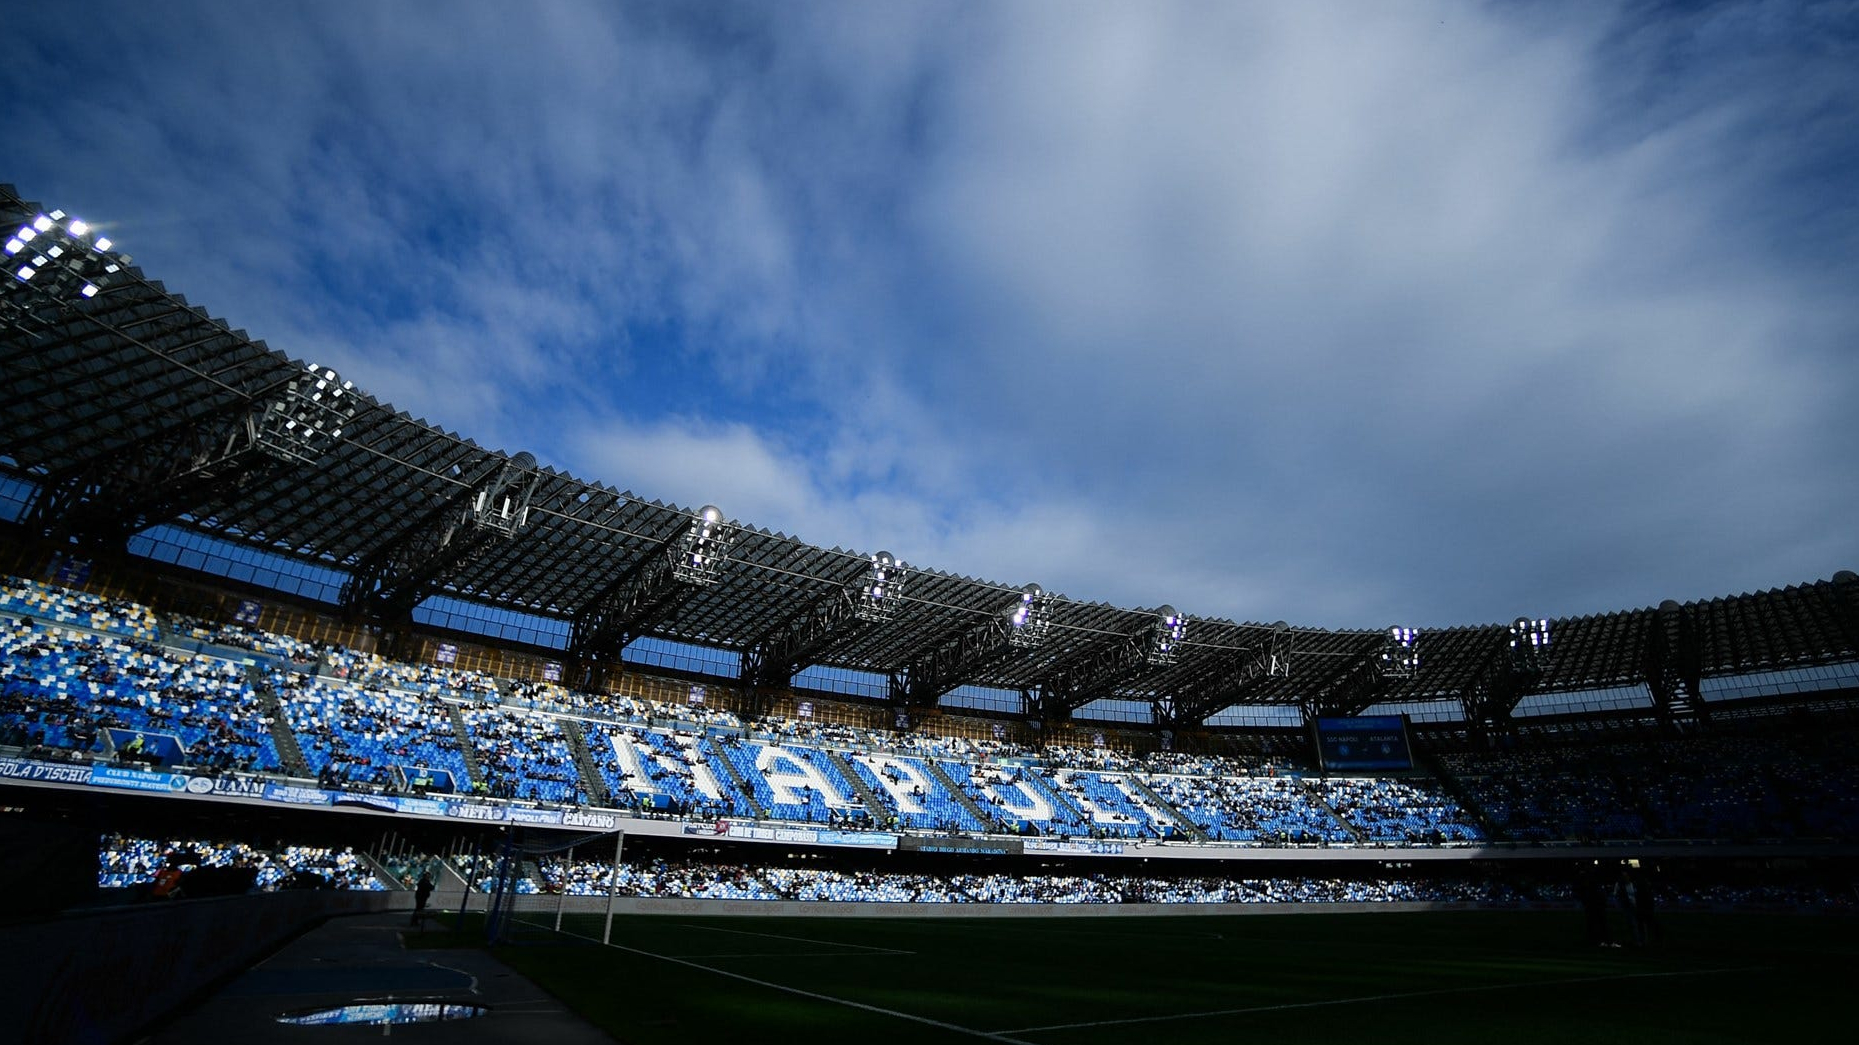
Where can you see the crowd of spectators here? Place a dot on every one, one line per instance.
(67, 690)
(139, 863)
(709, 880)
(523, 756)
(357, 734)
(75, 665)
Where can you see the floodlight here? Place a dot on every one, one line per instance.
(1529, 644)
(64, 267)
(1165, 635)
(877, 598)
(1400, 653)
(704, 548)
(301, 423)
(1029, 619)
(502, 503)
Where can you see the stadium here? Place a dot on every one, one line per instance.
(274, 650)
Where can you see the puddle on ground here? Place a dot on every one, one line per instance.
(384, 1012)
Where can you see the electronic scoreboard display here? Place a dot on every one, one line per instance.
(1363, 742)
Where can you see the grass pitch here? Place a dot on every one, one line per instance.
(1432, 978)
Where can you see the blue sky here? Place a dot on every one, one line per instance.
(1347, 314)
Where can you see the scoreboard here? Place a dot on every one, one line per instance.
(1363, 742)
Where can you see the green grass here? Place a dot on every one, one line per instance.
(1438, 979)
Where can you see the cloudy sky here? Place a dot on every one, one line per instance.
(1349, 314)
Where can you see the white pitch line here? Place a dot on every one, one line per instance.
(804, 954)
(1376, 997)
(794, 939)
(990, 1035)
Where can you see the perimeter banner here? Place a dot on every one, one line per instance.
(49, 772)
(137, 780)
(297, 796)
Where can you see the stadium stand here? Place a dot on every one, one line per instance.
(134, 863)
(361, 720)
(63, 606)
(523, 755)
(1398, 811)
(361, 735)
(99, 693)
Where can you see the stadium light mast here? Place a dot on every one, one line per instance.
(1165, 637)
(1400, 653)
(651, 587)
(1029, 621)
(1023, 624)
(307, 417)
(1529, 645)
(772, 660)
(56, 259)
(883, 587)
(705, 548)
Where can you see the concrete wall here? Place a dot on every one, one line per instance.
(99, 976)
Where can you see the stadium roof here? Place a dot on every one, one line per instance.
(131, 407)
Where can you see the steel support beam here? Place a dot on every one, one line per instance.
(972, 651)
(1271, 658)
(772, 661)
(678, 565)
(402, 573)
(201, 461)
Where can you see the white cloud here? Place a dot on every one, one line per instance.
(1348, 314)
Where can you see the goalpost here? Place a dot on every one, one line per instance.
(509, 872)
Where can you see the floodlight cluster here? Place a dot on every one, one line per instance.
(882, 587)
(309, 416)
(1400, 653)
(58, 255)
(705, 548)
(1529, 644)
(1029, 620)
(1165, 636)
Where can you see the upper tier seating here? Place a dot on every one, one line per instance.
(63, 689)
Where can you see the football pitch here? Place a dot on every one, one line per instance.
(1436, 978)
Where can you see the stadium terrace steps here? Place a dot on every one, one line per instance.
(863, 790)
(1317, 799)
(591, 779)
(1456, 790)
(961, 797)
(741, 784)
(1181, 820)
(472, 768)
(290, 753)
(381, 871)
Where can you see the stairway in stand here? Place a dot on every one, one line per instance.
(289, 751)
(592, 782)
(464, 745)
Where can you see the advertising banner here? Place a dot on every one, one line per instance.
(48, 772)
(473, 811)
(297, 796)
(136, 779)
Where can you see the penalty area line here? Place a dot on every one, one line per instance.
(847, 1002)
(1434, 993)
